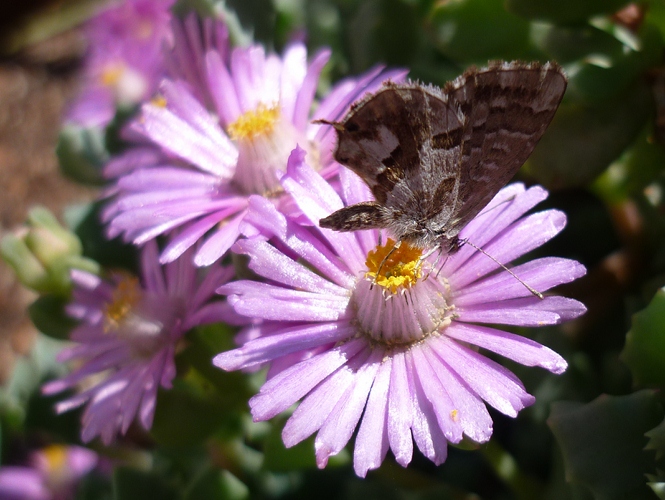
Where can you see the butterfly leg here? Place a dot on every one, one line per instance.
(426, 256)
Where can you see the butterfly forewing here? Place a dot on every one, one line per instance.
(434, 158)
(383, 137)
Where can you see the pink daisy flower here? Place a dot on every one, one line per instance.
(196, 168)
(127, 338)
(125, 61)
(398, 355)
(52, 474)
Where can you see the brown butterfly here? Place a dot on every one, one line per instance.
(433, 158)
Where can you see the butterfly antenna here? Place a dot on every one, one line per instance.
(531, 289)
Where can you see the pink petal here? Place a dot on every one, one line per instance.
(540, 274)
(372, 439)
(520, 349)
(342, 421)
(489, 380)
(264, 349)
(527, 311)
(400, 411)
(317, 406)
(281, 391)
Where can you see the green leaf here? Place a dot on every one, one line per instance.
(82, 152)
(184, 418)
(658, 488)
(603, 443)
(383, 30)
(132, 484)
(644, 352)
(601, 63)
(231, 389)
(49, 316)
(657, 440)
(636, 169)
(279, 458)
(109, 253)
(94, 486)
(583, 139)
(478, 30)
(20, 394)
(213, 484)
(563, 11)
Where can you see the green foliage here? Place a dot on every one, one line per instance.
(455, 26)
(603, 443)
(43, 254)
(82, 153)
(217, 484)
(564, 11)
(48, 315)
(644, 352)
(132, 484)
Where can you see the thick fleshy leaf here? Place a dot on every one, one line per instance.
(453, 27)
(644, 352)
(48, 315)
(214, 483)
(81, 153)
(594, 136)
(132, 484)
(563, 11)
(603, 443)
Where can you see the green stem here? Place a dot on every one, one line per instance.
(506, 468)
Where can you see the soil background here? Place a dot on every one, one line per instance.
(36, 83)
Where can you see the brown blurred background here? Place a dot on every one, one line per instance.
(38, 75)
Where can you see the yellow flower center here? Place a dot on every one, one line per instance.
(56, 456)
(159, 101)
(394, 268)
(125, 297)
(144, 30)
(111, 75)
(254, 123)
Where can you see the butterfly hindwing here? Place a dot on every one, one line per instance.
(434, 158)
(508, 107)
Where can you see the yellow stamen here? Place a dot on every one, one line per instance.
(56, 456)
(254, 123)
(401, 270)
(144, 30)
(159, 101)
(125, 297)
(111, 75)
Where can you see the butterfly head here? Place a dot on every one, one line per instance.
(424, 234)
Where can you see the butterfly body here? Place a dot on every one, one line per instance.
(433, 158)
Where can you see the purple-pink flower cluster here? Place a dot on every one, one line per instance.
(226, 156)
(50, 474)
